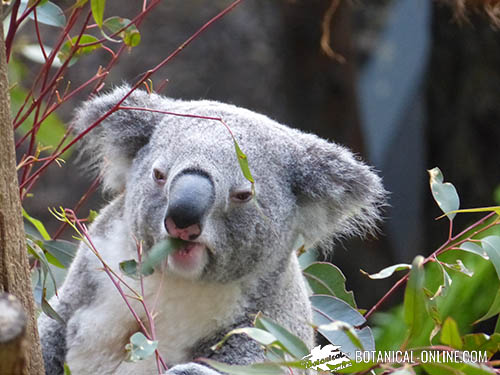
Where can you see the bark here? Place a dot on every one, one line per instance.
(14, 268)
(13, 345)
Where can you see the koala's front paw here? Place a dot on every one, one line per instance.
(191, 369)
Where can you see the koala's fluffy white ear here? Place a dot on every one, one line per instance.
(337, 194)
(112, 145)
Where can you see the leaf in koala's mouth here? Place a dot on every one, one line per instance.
(157, 254)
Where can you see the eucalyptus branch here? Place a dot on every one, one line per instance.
(450, 243)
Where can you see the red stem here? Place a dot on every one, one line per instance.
(12, 28)
(37, 29)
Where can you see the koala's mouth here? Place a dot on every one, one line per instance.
(189, 259)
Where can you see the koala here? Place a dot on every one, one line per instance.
(178, 176)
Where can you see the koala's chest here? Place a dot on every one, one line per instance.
(184, 313)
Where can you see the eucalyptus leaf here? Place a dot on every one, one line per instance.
(67, 47)
(159, 252)
(388, 271)
(491, 246)
(493, 310)
(37, 224)
(451, 368)
(140, 347)
(243, 161)
(415, 300)
(444, 193)
(450, 335)
(481, 342)
(97, 7)
(325, 278)
(63, 251)
(347, 328)
(333, 308)
(47, 13)
(291, 343)
(131, 36)
(261, 336)
(255, 369)
(474, 248)
(49, 311)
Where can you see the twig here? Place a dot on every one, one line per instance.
(325, 35)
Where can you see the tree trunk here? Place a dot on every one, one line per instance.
(12, 336)
(14, 269)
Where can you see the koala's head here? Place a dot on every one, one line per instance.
(181, 178)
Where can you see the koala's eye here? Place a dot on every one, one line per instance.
(241, 196)
(159, 176)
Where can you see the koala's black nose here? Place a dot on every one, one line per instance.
(190, 197)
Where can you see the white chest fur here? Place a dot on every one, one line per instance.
(185, 311)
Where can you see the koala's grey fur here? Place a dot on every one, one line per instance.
(306, 187)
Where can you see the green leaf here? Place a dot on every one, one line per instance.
(92, 216)
(334, 308)
(38, 225)
(67, 47)
(347, 328)
(386, 272)
(444, 194)
(415, 312)
(458, 267)
(406, 370)
(459, 368)
(155, 256)
(261, 336)
(98, 7)
(327, 310)
(481, 342)
(129, 268)
(450, 335)
(131, 36)
(447, 281)
(38, 253)
(493, 310)
(325, 278)
(491, 246)
(255, 369)
(291, 343)
(80, 3)
(53, 260)
(139, 347)
(474, 248)
(242, 159)
(159, 252)
(47, 13)
(63, 251)
(67, 371)
(47, 309)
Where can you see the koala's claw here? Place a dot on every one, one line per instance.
(191, 369)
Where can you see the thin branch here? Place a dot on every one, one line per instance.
(326, 31)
